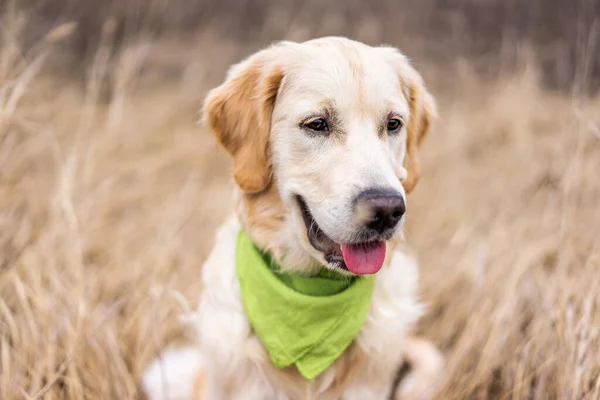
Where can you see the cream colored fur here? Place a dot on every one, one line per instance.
(256, 115)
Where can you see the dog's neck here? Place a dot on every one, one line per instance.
(266, 220)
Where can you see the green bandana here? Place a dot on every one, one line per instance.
(308, 322)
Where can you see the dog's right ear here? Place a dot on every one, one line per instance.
(239, 114)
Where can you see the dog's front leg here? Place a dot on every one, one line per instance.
(231, 374)
(228, 348)
(421, 383)
(426, 367)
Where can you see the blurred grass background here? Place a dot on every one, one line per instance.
(110, 192)
(492, 33)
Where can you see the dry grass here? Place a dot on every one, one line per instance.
(107, 211)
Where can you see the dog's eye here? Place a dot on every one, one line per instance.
(318, 125)
(394, 124)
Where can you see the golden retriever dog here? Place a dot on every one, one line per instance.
(324, 137)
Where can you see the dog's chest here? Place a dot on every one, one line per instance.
(237, 360)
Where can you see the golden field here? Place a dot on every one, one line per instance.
(110, 192)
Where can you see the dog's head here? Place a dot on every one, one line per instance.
(332, 126)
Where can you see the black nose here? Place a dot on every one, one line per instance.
(380, 209)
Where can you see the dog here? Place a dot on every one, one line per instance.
(324, 137)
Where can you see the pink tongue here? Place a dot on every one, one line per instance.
(364, 259)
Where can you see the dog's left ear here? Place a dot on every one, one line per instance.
(423, 112)
(239, 114)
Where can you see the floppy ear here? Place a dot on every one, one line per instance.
(423, 112)
(239, 114)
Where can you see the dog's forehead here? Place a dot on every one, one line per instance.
(346, 72)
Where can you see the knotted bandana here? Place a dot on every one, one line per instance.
(303, 321)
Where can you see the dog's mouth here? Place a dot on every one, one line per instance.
(360, 258)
